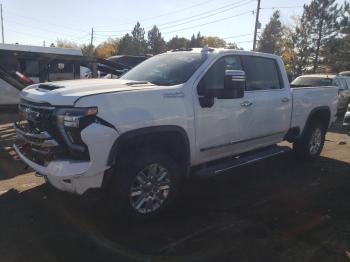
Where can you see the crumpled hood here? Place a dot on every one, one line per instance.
(65, 93)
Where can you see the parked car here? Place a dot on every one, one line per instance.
(176, 115)
(37, 64)
(345, 73)
(126, 62)
(342, 82)
(346, 122)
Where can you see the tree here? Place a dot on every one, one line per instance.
(270, 40)
(196, 41)
(126, 45)
(177, 43)
(156, 43)
(87, 50)
(107, 48)
(337, 51)
(296, 47)
(323, 18)
(65, 43)
(213, 41)
(138, 39)
(233, 46)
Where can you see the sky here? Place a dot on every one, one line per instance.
(37, 21)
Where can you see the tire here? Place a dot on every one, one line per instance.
(310, 145)
(144, 185)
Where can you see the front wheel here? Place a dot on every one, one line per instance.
(310, 145)
(145, 184)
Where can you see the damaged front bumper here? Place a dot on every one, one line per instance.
(77, 176)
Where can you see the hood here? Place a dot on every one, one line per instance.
(65, 93)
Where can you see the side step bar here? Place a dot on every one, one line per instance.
(245, 159)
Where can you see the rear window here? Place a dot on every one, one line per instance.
(312, 81)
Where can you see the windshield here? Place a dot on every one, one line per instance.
(167, 69)
(312, 81)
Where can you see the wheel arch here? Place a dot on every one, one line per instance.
(322, 114)
(167, 135)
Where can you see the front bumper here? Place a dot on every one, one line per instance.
(78, 176)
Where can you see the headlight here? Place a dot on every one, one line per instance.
(77, 117)
(70, 123)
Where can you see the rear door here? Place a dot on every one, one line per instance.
(271, 101)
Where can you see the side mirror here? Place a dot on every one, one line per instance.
(234, 84)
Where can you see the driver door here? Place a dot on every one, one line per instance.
(221, 127)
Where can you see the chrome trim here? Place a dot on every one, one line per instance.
(248, 162)
(44, 143)
(42, 135)
(36, 106)
(239, 141)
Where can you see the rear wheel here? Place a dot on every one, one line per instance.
(145, 185)
(310, 145)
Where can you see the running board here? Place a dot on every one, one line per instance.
(245, 159)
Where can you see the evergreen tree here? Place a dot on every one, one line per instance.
(337, 51)
(196, 41)
(156, 43)
(177, 43)
(126, 46)
(138, 39)
(271, 38)
(303, 46)
(323, 18)
(193, 42)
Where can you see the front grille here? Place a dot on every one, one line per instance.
(41, 137)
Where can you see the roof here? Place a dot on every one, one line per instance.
(42, 49)
(345, 73)
(319, 76)
(211, 50)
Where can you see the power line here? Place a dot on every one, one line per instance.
(207, 16)
(162, 15)
(34, 19)
(47, 31)
(192, 18)
(199, 25)
(211, 22)
(236, 36)
(282, 7)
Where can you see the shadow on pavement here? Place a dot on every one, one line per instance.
(276, 210)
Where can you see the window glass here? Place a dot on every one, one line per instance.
(167, 69)
(312, 81)
(215, 76)
(261, 73)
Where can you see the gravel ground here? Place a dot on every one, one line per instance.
(275, 210)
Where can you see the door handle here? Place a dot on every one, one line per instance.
(285, 99)
(246, 104)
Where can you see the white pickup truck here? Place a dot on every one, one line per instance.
(199, 112)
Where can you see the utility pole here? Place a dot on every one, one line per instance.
(2, 25)
(92, 36)
(257, 23)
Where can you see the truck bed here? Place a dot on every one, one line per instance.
(306, 99)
